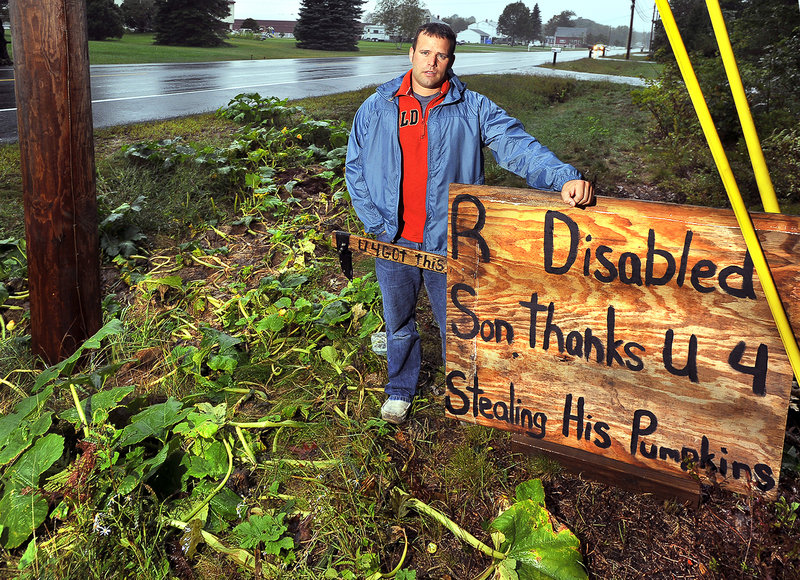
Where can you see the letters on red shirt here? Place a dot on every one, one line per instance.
(413, 131)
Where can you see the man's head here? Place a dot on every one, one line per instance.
(431, 56)
(437, 30)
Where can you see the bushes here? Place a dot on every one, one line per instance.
(782, 151)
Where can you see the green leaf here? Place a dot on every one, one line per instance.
(20, 515)
(369, 324)
(9, 423)
(538, 551)
(328, 354)
(170, 281)
(114, 326)
(291, 281)
(140, 471)
(213, 462)
(264, 529)
(272, 323)
(23, 437)
(153, 422)
(223, 363)
(27, 470)
(22, 508)
(29, 557)
(532, 490)
(102, 401)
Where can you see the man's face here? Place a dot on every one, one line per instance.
(430, 62)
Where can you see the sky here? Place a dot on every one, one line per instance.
(608, 12)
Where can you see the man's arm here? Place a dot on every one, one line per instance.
(354, 174)
(519, 152)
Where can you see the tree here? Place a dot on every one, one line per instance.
(191, 22)
(5, 58)
(693, 21)
(563, 19)
(536, 23)
(515, 22)
(139, 14)
(401, 18)
(250, 24)
(765, 35)
(457, 23)
(104, 20)
(329, 24)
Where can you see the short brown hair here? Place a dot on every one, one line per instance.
(438, 30)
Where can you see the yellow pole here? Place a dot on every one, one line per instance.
(734, 195)
(765, 188)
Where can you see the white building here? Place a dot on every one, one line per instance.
(483, 32)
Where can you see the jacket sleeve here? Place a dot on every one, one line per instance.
(360, 196)
(519, 152)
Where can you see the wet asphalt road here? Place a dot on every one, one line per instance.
(123, 94)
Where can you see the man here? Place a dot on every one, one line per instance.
(410, 140)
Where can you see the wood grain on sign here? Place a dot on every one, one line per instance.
(633, 330)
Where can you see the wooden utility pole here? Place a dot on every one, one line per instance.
(630, 31)
(652, 30)
(54, 114)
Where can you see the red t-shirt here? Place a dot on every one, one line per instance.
(413, 123)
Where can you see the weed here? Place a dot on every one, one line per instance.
(543, 467)
(786, 513)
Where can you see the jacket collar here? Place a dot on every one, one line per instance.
(389, 89)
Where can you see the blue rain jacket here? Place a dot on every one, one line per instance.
(458, 129)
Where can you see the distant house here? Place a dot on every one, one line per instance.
(566, 36)
(276, 28)
(474, 36)
(484, 32)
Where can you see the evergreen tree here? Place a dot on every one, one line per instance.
(104, 20)
(329, 24)
(515, 22)
(139, 14)
(536, 23)
(191, 22)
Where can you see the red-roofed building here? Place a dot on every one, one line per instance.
(276, 28)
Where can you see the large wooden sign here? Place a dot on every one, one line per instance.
(635, 331)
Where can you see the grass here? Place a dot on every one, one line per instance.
(135, 48)
(592, 126)
(635, 67)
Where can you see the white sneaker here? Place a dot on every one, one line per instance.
(395, 411)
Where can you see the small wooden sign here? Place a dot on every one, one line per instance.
(635, 331)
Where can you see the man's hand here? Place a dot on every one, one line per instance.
(578, 192)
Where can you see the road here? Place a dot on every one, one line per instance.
(123, 94)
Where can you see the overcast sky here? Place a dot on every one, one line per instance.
(609, 12)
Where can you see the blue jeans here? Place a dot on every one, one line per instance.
(400, 285)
